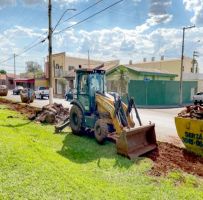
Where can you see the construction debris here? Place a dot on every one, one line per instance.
(193, 111)
(27, 96)
(52, 114)
(3, 90)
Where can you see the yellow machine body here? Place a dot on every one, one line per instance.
(131, 141)
(190, 132)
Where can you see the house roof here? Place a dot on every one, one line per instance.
(147, 71)
(109, 65)
(151, 70)
(106, 67)
(9, 75)
(3, 76)
(25, 80)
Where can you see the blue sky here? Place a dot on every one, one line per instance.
(130, 30)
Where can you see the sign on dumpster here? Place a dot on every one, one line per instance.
(190, 132)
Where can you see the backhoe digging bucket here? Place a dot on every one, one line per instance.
(137, 141)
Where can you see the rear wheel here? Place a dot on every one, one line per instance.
(100, 131)
(76, 120)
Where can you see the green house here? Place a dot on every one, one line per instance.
(118, 77)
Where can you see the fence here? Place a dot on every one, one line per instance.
(161, 92)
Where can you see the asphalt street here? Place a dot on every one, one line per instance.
(163, 118)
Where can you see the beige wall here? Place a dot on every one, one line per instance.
(200, 86)
(75, 62)
(41, 82)
(171, 66)
(60, 68)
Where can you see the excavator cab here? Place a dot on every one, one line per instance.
(88, 82)
(93, 109)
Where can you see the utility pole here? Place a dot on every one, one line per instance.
(182, 67)
(88, 59)
(50, 53)
(14, 64)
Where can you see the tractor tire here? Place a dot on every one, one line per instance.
(100, 131)
(76, 117)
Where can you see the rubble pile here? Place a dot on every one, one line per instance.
(193, 111)
(3, 90)
(52, 114)
(25, 98)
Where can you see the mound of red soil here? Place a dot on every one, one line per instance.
(168, 157)
(23, 109)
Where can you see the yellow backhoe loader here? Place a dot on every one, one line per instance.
(96, 110)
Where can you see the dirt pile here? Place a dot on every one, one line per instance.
(169, 157)
(3, 90)
(23, 109)
(193, 111)
(52, 114)
(25, 98)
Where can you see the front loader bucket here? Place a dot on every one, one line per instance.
(137, 141)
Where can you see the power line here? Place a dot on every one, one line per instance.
(89, 17)
(29, 48)
(58, 22)
(83, 11)
(33, 45)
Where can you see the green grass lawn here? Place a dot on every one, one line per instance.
(37, 164)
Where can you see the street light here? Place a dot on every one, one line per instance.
(69, 9)
(181, 68)
(50, 46)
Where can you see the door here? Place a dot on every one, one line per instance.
(83, 91)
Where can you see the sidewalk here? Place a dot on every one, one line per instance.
(39, 103)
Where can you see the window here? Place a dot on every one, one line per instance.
(83, 84)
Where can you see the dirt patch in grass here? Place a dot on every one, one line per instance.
(169, 157)
(23, 109)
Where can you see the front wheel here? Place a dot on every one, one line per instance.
(100, 131)
(76, 118)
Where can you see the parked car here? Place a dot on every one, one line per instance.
(69, 95)
(42, 92)
(198, 98)
(17, 90)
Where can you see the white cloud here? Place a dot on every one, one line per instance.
(105, 44)
(195, 6)
(128, 44)
(32, 2)
(4, 3)
(61, 2)
(157, 14)
(158, 11)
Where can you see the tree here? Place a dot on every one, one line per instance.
(123, 79)
(2, 71)
(33, 70)
(33, 67)
(63, 82)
